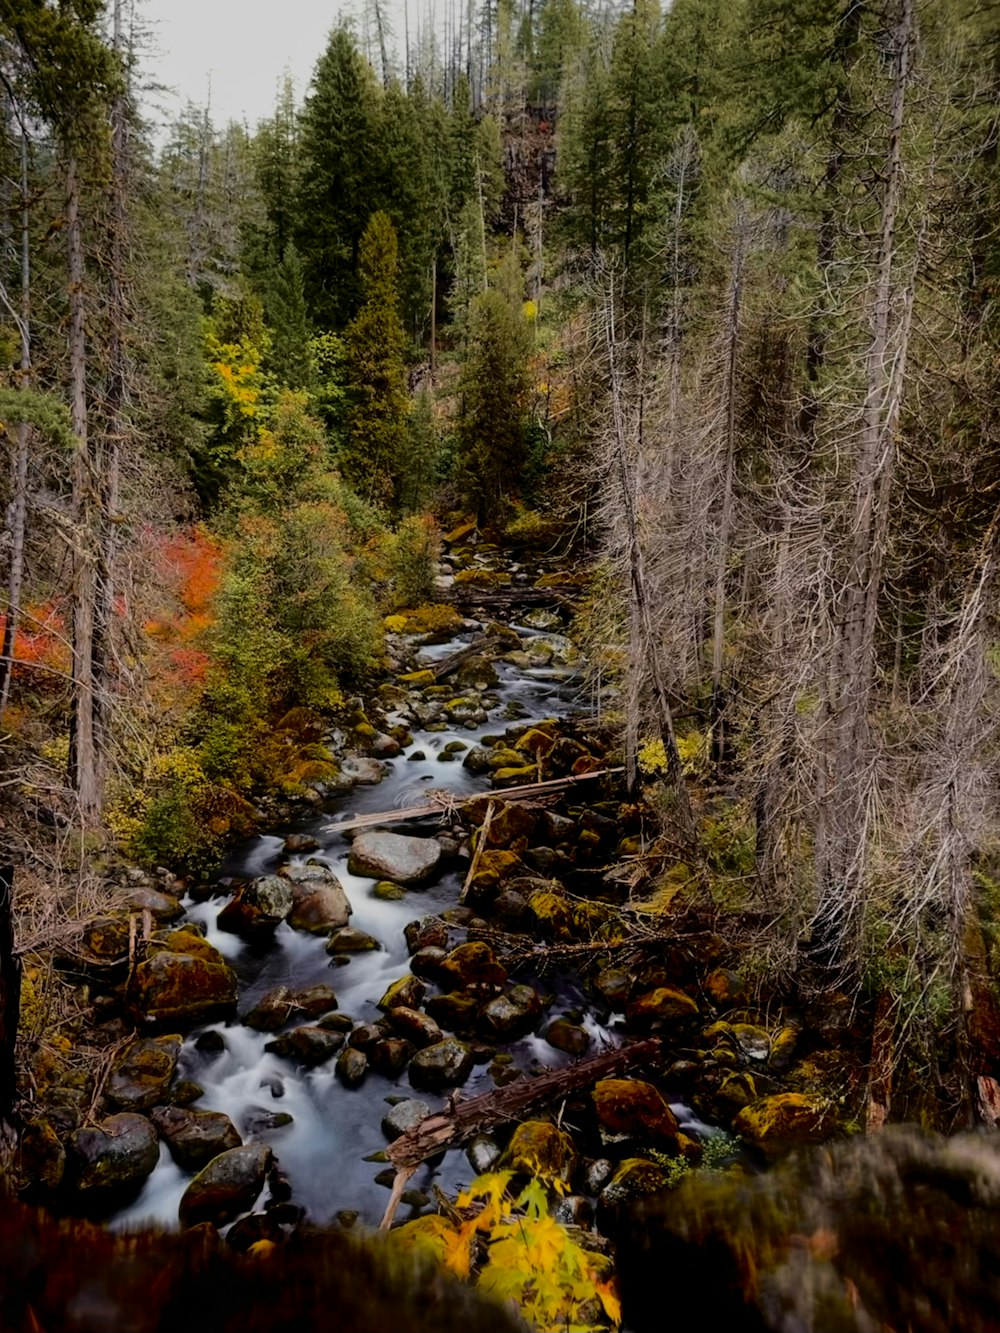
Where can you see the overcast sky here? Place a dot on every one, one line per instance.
(239, 48)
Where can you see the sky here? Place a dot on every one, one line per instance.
(236, 49)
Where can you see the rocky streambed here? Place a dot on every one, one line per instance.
(339, 981)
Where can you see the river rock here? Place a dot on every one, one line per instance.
(408, 991)
(297, 843)
(787, 1120)
(403, 1116)
(367, 1036)
(142, 1073)
(495, 866)
(385, 747)
(569, 1037)
(446, 1064)
(664, 1004)
(314, 1001)
(112, 1159)
(348, 939)
(390, 1056)
(427, 962)
(539, 1148)
(184, 988)
(477, 760)
(227, 1186)
(257, 1121)
(319, 903)
(429, 930)
(273, 1011)
(351, 1067)
(388, 892)
(513, 825)
(257, 909)
(195, 1137)
(631, 1109)
(394, 856)
(364, 772)
(455, 1011)
(513, 1014)
(308, 1046)
(635, 1178)
(416, 1027)
(161, 906)
(482, 1154)
(473, 967)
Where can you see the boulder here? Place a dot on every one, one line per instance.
(365, 772)
(631, 1109)
(314, 1001)
(257, 909)
(472, 966)
(142, 1073)
(416, 1027)
(634, 1179)
(539, 1148)
(351, 1067)
(394, 856)
(408, 991)
(403, 1116)
(569, 1037)
(348, 939)
(110, 1161)
(664, 1004)
(787, 1120)
(390, 1056)
(513, 824)
(195, 1137)
(446, 1064)
(183, 989)
(308, 1046)
(454, 1011)
(227, 1186)
(273, 1011)
(512, 1014)
(319, 903)
(161, 906)
(495, 866)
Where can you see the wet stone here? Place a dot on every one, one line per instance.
(195, 1137)
(351, 1067)
(427, 962)
(394, 856)
(482, 1154)
(351, 940)
(416, 1027)
(309, 1046)
(111, 1160)
(446, 1064)
(407, 992)
(390, 1056)
(513, 1014)
(142, 1073)
(403, 1116)
(227, 1186)
(257, 1121)
(568, 1037)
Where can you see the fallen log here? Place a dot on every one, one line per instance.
(467, 594)
(463, 1120)
(454, 660)
(451, 800)
(480, 845)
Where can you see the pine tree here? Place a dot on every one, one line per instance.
(374, 343)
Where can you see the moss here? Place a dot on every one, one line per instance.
(483, 578)
(785, 1121)
(418, 679)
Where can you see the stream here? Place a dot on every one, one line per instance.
(333, 1129)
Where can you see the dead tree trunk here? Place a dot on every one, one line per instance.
(10, 999)
(84, 769)
(842, 861)
(19, 502)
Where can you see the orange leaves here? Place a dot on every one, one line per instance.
(191, 569)
(41, 639)
(193, 564)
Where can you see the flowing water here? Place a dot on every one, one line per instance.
(333, 1129)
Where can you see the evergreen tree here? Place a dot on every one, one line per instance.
(341, 180)
(374, 343)
(495, 390)
(288, 323)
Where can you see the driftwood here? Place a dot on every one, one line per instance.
(480, 845)
(450, 800)
(463, 1120)
(10, 998)
(467, 594)
(454, 660)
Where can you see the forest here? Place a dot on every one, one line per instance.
(670, 331)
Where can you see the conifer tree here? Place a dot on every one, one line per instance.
(374, 343)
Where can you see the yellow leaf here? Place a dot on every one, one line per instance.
(608, 1293)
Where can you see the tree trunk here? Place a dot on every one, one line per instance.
(19, 505)
(10, 999)
(84, 769)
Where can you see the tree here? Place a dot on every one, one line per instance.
(374, 345)
(495, 392)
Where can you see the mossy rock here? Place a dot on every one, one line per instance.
(535, 741)
(504, 757)
(418, 679)
(472, 965)
(515, 777)
(141, 1074)
(569, 920)
(408, 991)
(775, 1125)
(663, 1004)
(635, 1178)
(183, 988)
(629, 1108)
(189, 942)
(495, 866)
(725, 988)
(539, 1148)
(437, 618)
